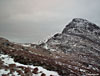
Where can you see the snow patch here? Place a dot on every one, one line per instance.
(8, 60)
(26, 45)
(2, 71)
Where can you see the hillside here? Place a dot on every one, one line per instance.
(74, 52)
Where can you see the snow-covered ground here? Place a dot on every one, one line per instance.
(26, 45)
(8, 60)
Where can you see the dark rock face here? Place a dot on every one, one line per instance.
(79, 37)
(81, 26)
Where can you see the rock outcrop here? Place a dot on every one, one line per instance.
(80, 38)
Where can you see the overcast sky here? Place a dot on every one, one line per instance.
(35, 20)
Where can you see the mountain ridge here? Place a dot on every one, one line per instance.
(73, 52)
(81, 28)
(84, 41)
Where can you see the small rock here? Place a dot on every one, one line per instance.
(43, 74)
(27, 70)
(12, 65)
(4, 75)
(35, 71)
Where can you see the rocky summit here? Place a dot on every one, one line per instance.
(74, 52)
(81, 39)
(79, 35)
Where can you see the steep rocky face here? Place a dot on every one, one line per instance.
(82, 26)
(79, 37)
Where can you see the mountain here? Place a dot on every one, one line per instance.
(73, 52)
(78, 34)
(80, 39)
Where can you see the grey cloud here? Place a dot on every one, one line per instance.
(34, 20)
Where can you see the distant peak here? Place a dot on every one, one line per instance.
(79, 20)
(79, 25)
